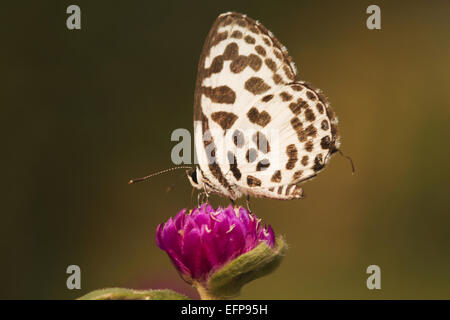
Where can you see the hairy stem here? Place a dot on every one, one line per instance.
(204, 295)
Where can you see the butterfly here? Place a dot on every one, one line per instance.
(259, 131)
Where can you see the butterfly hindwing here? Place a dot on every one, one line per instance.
(284, 138)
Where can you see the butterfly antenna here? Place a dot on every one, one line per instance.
(156, 174)
(349, 159)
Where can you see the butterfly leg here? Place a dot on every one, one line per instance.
(192, 196)
(247, 201)
(202, 198)
(198, 199)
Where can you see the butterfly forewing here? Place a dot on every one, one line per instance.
(240, 59)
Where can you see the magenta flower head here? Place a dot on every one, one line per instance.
(218, 251)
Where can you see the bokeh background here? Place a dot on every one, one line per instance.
(85, 111)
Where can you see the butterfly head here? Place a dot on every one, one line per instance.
(195, 177)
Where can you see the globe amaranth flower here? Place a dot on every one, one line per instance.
(203, 242)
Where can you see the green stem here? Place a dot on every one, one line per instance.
(204, 294)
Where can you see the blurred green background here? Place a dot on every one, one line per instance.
(85, 111)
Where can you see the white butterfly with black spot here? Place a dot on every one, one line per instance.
(258, 131)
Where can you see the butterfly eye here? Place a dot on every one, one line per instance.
(194, 176)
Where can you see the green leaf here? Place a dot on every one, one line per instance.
(130, 294)
(228, 281)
